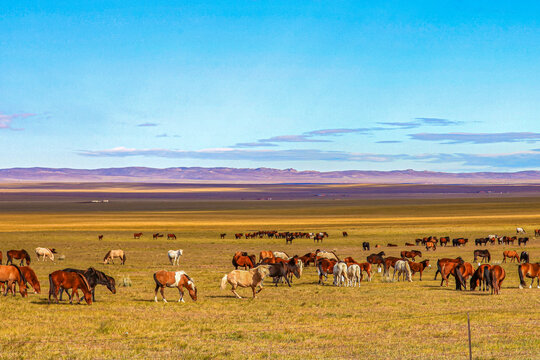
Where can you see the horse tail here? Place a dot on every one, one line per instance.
(52, 288)
(487, 277)
(9, 259)
(26, 257)
(460, 281)
(123, 258)
(521, 279)
(223, 282)
(409, 272)
(333, 252)
(438, 269)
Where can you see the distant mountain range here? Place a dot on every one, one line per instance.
(260, 175)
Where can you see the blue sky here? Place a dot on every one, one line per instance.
(443, 86)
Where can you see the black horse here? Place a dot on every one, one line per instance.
(281, 271)
(524, 257)
(523, 241)
(94, 278)
(365, 245)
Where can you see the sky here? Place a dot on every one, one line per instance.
(312, 85)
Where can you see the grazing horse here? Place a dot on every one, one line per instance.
(222, 235)
(376, 259)
(409, 244)
(30, 277)
(402, 267)
(523, 257)
(252, 278)
(365, 245)
(494, 277)
(345, 234)
(531, 271)
(419, 267)
(171, 236)
(281, 254)
(511, 254)
(478, 280)
(177, 279)
(100, 237)
(282, 270)
(340, 274)
(174, 256)
(451, 268)
(363, 267)
(137, 235)
(94, 277)
(115, 254)
(242, 258)
(388, 263)
(19, 255)
(444, 240)
(411, 254)
(12, 274)
(324, 267)
(443, 261)
(45, 252)
(69, 280)
(431, 245)
(308, 258)
(520, 230)
(484, 254)
(391, 245)
(156, 235)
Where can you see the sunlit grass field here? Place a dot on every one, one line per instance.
(379, 320)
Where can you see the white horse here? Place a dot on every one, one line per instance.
(354, 274)
(340, 274)
(280, 254)
(520, 230)
(174, 256)
(45, 252)
(402, 267)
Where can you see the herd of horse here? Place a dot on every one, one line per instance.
(279, 266)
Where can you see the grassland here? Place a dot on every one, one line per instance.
(380, 320)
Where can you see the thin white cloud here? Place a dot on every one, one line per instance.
(478, 138)
(6, 121)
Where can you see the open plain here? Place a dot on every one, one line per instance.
(381, 319)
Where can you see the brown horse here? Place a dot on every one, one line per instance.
(241, 258)
(69, 280)
(411, 254)
(511, 254)
(452, 268)
(467, 270)
(478, 280)
(388, 263)
(494, 277)
(325, 267)
(177, 279)
(100, 237)
(431, 245)
(409, 244)
(531, 271)
(391, 245)
(30, 277)
(19, 255)
(363, 267)
(443, 261)
(137, 235)
(265, 254)
(252, 278)
(376, 259)
(12, 274)
(171, 236)
(419, 267)
(308, 258)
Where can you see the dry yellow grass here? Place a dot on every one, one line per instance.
(379, 320)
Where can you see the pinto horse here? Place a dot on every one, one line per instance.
(19, 255)
(365, 245)
(325, 267)
(419, 267)
(243, 259)
(531, 271)
(94, 277)
(478, 280)
(177, 279)
(511, 254)
(411, 254)
(431, 245)
(115, 254)
(484, 254)
(494, 277)
(252, 278)
(12, 274)
(69, 280)
(523, 257)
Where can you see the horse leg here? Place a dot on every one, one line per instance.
(288, 282)
(233, 289)
(162, 290)
(181, 294)
(155, 292)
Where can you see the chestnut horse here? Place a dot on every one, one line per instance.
(363, 267)
(452, 268)
(177, 279)
(376, 259)
(12, 274)
(531, 271)
(419, 267)
(243, 259)
(511, 254)
(478, 278)
(411, 254)
(388, 263)
(431, 245)
(69, 280)
(308, 258)
(252, 278)
(265, 254)
(137, 235)
(19, 255)
(325, 267)
(443, 261)
(495, 277)
(30, 277)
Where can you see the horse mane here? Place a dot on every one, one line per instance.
(85, 281)
(20, 273)
(26, 255)
(107, 255)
